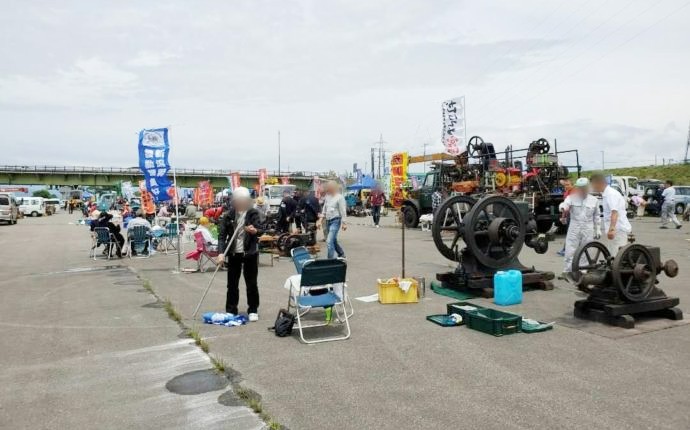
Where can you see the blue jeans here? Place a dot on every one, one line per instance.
(332, 239)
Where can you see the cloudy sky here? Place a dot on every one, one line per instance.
(79, 79)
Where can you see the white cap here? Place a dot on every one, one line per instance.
(241, 193)
(582, 182)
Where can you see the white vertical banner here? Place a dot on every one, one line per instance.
(453, 134)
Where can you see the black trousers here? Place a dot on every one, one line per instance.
(376, 213)
(237, 263)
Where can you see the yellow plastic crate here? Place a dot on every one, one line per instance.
(390, 293)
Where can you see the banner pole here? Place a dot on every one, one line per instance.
(177, 216)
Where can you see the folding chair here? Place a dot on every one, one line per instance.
(170, 237)
(203, 254)
(318, 274)
(300, 255)
(105, 238)
(139, 239)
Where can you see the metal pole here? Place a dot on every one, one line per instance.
(402, 222)
(603, 167)
(278, 152)
(177, 215)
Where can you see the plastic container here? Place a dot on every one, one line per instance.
(391, 293)
(494, 322)
(461, 308)
(508, 287)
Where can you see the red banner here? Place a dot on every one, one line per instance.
(262, 178)
(14, 190)
(205, 193)
(235, 180)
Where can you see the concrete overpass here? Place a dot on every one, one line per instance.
(111, 176)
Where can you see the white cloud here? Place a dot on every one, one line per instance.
(333, 75)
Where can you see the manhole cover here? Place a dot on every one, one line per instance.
(197, 382)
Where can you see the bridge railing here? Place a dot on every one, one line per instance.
(135, 171)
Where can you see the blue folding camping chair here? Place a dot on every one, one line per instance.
(103, 236)
(300, 255)
(321, 274)
(139, 241)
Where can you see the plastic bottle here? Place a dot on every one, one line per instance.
(508, 288)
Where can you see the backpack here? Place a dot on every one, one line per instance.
(284, 322)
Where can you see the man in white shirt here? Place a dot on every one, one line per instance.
(668, 208)
(616, 224)
(583, 210)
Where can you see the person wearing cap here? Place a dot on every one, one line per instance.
(616, 224)
(242, 255)
(583, 210)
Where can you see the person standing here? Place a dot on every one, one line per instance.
(334, 212)
(243, 252)
(297, 197)
(582, 209)
(376, 200)
(616, 222)
(286, 212)
(668, 207)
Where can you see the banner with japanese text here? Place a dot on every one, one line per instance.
(147, 204)
(453, 134)
(399, 162)
(153, 162)
(205, 194)
(263, 175)
(235, 181)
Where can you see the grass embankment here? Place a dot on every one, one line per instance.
(678, 173)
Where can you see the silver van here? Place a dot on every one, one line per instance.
(9, 210)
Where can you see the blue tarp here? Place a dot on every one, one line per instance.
(367, 183)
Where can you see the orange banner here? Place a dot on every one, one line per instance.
(147, 204)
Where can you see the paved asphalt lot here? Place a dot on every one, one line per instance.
(397, 371)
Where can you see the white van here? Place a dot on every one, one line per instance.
(34, 206)
(626, 184)
(9, 211)
(57, 204)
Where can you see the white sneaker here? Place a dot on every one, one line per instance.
(253, 317)
(377, 226)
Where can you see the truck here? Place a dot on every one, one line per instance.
(274, 195)
(627, 185)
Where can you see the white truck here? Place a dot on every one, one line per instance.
(274, 194)
(627, 185)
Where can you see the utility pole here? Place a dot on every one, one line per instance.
(380, 143)
(372, 162)
(687, 147)
(603, 167)
(278, 152)
(425, 145)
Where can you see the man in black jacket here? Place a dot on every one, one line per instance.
(243, 252)
(286, 213)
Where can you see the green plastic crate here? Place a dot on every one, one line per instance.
(493, 322)
(452, 308)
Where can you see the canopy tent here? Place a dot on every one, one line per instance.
(367, 182)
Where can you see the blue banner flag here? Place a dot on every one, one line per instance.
(153, 162)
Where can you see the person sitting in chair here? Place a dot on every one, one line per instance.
(139, 220)
(208, 237)
(104, 219)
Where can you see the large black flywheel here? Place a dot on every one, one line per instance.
(633, 272)
(494, 231)
(447, 228)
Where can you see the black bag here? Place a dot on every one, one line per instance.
(284, 322)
